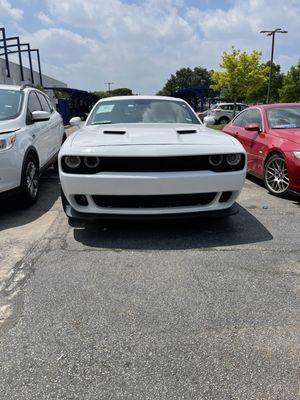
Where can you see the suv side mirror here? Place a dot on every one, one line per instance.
(39, 116)
(252, 127)
(75, 121)
(208, 120)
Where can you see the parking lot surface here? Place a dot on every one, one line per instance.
(197, 309)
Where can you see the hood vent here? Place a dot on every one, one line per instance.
(186, 131)
(114, 132)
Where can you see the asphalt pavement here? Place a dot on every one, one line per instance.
(196, 309)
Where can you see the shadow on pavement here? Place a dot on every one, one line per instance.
(242, 228)
(13, 215)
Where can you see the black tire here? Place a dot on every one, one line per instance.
(276, 177)
(30, 182)
(223, 121)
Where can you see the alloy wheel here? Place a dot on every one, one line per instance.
(276, 176)
(32, 181)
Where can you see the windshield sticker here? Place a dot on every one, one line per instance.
(105, 108)
(285, 126)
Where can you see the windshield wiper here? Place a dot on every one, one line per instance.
(101, 123)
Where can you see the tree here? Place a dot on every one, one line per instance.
(242, 74)
(185, 78)
(115, 92)
(290, 92)
(276, 85)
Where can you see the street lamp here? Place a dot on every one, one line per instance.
(272, 33)
(108, 85)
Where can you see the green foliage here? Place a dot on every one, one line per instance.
(115, 92)
(260, 95)
(184, 78)
(242, 74)
(290, 92)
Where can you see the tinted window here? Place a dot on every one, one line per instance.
(238, 121)
(284, 118)
(142, 110)
(253, 117)
(43, 102)
(10, 103)
(33, 103)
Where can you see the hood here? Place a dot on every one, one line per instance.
(9, 125)
(148, 134)
(293, 135)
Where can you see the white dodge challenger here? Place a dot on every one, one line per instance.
(149, 157)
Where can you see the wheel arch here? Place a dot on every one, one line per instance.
(273, 153)
(33, 152)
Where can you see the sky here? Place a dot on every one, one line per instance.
(139, 44)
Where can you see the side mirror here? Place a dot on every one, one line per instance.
(209, 120)
(252, 127)
(75, 121)
(39, 116)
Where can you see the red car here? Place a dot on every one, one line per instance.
(271, 136)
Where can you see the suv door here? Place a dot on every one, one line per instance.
(53, 126)
(38, 130)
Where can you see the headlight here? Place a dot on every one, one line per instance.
(233, 159)
(216, 160)
(91, 162)
(7, 142)
(297, 154)
(72, 161)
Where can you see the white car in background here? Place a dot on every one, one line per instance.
(224, 112)
(31, 134)
(148, 156)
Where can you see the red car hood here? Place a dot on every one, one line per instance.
(289, 134)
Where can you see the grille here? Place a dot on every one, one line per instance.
(157, 201)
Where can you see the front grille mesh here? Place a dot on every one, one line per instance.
(157, 201)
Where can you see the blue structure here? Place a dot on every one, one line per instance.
(196, 96)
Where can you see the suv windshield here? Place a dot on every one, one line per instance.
(284, 117)
(10, 103)
(142, 111)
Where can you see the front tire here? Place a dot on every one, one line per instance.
(30, 183)
(223, 121)
(276, 176)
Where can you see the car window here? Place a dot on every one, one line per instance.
(142, 111)
(43, 102)
(33, 103)
(49, 103)
(253, 116)
(10, 104)
(284, 117)
(239, 120)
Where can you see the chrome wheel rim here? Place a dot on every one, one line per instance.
(277, 178)
(32, 179)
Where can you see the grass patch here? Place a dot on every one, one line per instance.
(216, 127)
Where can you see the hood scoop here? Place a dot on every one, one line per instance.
(186, 131)
(114, 132)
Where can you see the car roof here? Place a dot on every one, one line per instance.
(276, 105)
(10, 87)
(137, 97)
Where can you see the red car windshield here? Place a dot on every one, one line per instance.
(284, 117)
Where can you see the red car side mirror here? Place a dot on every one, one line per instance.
(252, 127)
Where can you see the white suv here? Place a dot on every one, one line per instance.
(223, 112)
(31, 134)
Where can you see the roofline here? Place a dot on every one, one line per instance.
(144, 97)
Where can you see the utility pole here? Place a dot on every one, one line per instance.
(108, 85)
(272, 33)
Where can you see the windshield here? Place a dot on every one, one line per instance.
(142, 111)
(10, 103)
(284, 117)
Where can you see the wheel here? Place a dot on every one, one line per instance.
(30, 185)
(223, 121)
(276, 176)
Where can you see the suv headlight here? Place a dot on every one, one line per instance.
(7, 142)
(297, 154)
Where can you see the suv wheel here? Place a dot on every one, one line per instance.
(223, 121)
(276, 176)
(30, 184)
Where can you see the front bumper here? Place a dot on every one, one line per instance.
(10, 170)
(151, 184)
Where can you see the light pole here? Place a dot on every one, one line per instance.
(108, 85)
(272, 33)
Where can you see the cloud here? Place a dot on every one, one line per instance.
(7, 10)
(45, 19)
(139, 44)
